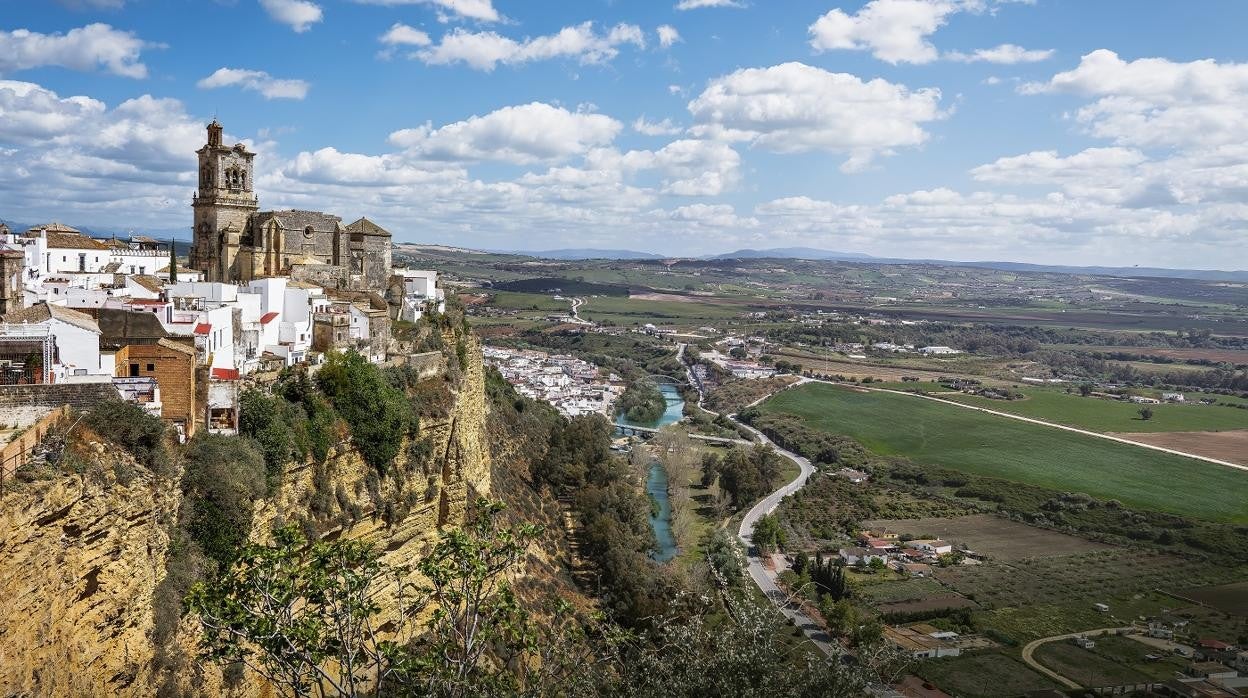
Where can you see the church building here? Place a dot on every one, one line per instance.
(235, 242)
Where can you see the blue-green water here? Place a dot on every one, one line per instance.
(656, 482)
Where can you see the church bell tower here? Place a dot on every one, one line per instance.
(223, 204)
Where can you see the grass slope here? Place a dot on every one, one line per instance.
(1095, 414)
(985, 444)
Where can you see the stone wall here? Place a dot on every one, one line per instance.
(77, 395)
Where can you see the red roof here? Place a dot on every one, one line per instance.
(225, 374)
(1212, 644)
(268, 317)
(203, 328)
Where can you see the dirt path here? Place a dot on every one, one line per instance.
(1063, 427)
(1030, 649)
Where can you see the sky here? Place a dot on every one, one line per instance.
(1045, 131)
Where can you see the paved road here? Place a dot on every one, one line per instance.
(1030, 649)
(759, 573)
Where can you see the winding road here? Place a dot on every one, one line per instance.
(1030, 649)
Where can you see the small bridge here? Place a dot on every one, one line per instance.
(668, 379)
(647, 432)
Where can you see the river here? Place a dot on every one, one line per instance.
(656, 481)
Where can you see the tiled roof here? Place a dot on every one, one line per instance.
(367, 227)
(268, 317)
(42, 312)
(225, 374)
(148, 282)
(52, 227)
(73, 241)
(176, 346)
(203, 328)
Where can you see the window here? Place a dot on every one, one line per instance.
(134, 370)
(151, 367)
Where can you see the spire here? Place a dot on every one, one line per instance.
(214, 134)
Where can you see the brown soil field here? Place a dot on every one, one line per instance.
(1230, 446)
(672, 297)
(1228, 598)
(995, 537)
(851, 369)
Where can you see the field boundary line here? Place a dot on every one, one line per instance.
(1041, 422)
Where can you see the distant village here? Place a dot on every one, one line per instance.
(573, 386)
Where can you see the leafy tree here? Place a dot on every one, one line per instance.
(768, 534)
(377, 411)
(223, 477)
(1146, 413)
(305, 615)
(1085, 389)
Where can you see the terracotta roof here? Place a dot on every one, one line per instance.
(73, 241)
(148, 282)
(225, 374)
(268, 317)
(52, 227)
(146, 301)
(367, 227)
(42, 312)
(176, 346)
(203, 328)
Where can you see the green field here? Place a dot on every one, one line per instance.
(634, 311)
(984, 444)
(1096, 414)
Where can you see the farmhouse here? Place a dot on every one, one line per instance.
(856, 556)
(854, 476)
(932, 547)
(925, 641)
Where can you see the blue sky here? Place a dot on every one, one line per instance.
(1058, 131)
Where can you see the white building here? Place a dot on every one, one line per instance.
(420, 293)
(933, 547)
(939, 351)
(77, 339)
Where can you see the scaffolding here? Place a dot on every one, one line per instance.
(18, 345)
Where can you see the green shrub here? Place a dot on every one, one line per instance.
(377, 412)
(223, 478)
(128, 426)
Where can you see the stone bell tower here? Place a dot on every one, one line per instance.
(223, 203)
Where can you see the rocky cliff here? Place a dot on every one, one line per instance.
(81, 557)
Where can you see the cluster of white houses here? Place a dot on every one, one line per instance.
(81, 309)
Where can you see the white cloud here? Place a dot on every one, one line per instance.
(895, 31)
(256, 81)
(713, 216)
(480, 10)
(655, 128)
(299, 15)
(1155, 102)
(528, 133)
(668, 35)
(794, 107)
(1005, 54)
(688, 167)
(402, 35)
(485, 50)
(84, 48)
(697, 4)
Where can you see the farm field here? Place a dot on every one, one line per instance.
(633, 311)
(1086, 666)
(998, 538)
(1233, 356)
(1231, 446)
(989, 675)
(975, 442)
(1098, 414)
(1227, 598)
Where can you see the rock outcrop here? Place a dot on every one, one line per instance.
(81, 556)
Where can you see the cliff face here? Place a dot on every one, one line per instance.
(80, 558)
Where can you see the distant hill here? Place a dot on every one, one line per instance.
(590, 253)
(817, 254)
(792, 253)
